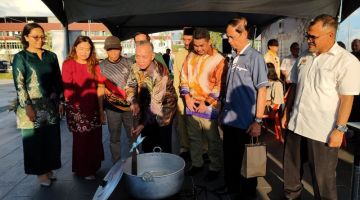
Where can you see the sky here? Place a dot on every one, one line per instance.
(348, 30)
(24, 8)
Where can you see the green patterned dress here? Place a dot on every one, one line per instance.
(38, 83)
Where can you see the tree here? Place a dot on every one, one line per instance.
(216, 40)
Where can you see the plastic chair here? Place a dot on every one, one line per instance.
(344, 142)
(274, 115)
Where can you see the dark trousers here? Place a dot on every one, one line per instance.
(42, 149)
(157, 136)
(115, 120)
(234, 141)
(322, 160)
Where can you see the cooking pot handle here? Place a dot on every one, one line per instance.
(157, 149)
(147, 177)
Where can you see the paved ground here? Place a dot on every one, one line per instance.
(15, 185)
(7, 93)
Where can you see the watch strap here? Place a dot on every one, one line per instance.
(259, 120)
(342, 128)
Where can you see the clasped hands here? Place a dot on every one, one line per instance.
(194, 105)
(31, 113)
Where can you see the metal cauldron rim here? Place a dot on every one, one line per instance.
(157, 153)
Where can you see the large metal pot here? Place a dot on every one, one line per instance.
(160, 175)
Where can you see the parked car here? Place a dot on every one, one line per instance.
(4, 66)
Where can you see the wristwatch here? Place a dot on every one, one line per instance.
(259, 120)
(342, 128)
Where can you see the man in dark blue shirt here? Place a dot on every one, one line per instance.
(243, 106)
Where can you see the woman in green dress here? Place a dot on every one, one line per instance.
(39, 90)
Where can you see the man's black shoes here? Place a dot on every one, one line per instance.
(194, 170)
(206, 158)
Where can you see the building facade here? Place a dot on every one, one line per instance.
(11, 28)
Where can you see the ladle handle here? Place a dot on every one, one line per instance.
(134, 163)
(133, 154)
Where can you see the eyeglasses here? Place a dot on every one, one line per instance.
(43, 38)
(140, 42)
(313, 37)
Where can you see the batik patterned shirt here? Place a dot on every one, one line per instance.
(154, 91)
(201, 77)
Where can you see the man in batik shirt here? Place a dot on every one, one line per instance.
(152, 95)
(200, 86)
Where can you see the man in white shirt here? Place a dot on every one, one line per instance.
(289, 61)
(355, 47)
(326, 78)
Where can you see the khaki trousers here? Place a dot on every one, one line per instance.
(198, 128)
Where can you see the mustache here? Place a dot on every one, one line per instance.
(311, 43)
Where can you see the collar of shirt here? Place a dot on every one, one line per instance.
(182, 49)
(335, 49)
(272, 53)
(210, 52)
(293, 57)
(115, 61)
(149, 70)
(242, 52)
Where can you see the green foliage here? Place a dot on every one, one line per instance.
(6, 76)
(48, 43)
(176, 47)
(216, 40)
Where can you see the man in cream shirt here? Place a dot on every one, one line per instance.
(271, 55)
(180, 122)
(326, 79)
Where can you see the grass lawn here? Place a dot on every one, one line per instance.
(6, 76)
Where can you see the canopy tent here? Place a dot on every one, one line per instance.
(124, 18)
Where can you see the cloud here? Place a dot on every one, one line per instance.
(24, 8)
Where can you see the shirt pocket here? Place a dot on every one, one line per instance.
(325, 79)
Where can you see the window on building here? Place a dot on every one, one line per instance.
(162, 44)
(10, 45)
(85, 33)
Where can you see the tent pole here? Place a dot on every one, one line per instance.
(253, 42)
(67, 38)
(340, 12)
(339, 17)
(66, 29)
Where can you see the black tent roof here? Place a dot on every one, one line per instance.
(124, 18)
